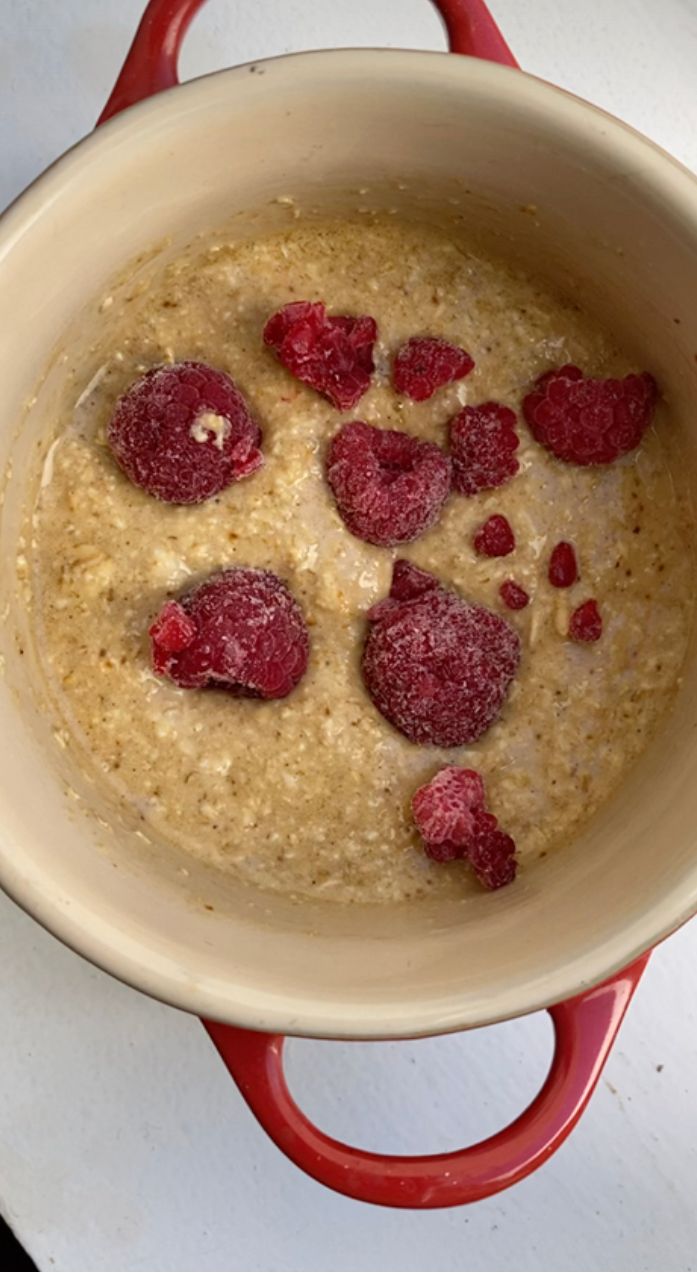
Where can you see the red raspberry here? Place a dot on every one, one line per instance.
(437, 667)
(513, 596)
(389, 487)
(183, 433)
(425, 363)
(450, 814)
(495, 538)
(241, 630)
(587, 421)
(483, 443)
(563, 567)
(586, 622)
(491, 852)
(332, 355)
(443, 807)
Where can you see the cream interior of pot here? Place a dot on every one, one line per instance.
(546, 180)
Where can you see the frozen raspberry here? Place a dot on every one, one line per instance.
(241, 630)
(425, 363)
(389, 487)
(443, 807)
(495, 538)
(513, 596)
(586, 622)
(332, 355)
(437, 667)
(491, 853)
(563, 567)
(450, 813)
(483, 443)
(586, 421)
(183, 433)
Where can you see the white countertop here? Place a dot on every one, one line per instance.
(123, 1144)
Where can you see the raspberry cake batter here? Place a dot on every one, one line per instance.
(247, 668)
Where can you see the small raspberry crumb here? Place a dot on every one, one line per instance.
(587, 421)
(513, 596)
(332, 355)
(495, 538)
(426, 363)
(437, 667)
(184, 433)
(483, 443)
(563, 567)
(586, 622)
(389, 487)
(450, 814)
(241, 630)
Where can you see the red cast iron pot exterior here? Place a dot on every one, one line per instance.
(584, 1032)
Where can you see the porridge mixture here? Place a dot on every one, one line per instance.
(311, 793)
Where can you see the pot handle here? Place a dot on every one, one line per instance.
(584, 1027)
(151, 62)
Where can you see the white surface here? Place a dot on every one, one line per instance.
(122, 1143)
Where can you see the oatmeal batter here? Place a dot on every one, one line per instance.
(310, 795)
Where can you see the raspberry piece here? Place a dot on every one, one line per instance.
(450, 813)
(587, 421)
(408, 581)
(495, 537)
(389, 487)
(446, 851)
(491, 852)
(483, 443)
(442, 809)
(513, 596)
(183, 433)
(586, 622)
(427, 362)
(437, 667)
(172, 632)
(332, 355)
(563, 567)
(241, 630)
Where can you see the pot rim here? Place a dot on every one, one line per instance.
(132, 960)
